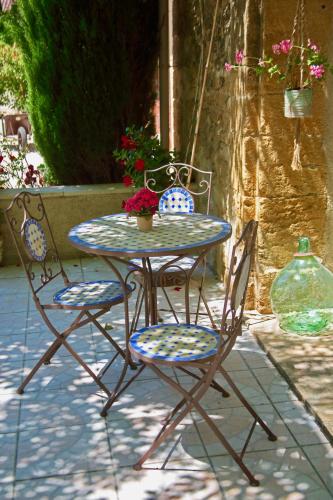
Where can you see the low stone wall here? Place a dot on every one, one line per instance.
(66, 207)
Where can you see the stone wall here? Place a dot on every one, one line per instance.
(244, 137)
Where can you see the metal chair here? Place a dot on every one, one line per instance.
(189, 346)
(176, 197)
(31, 231)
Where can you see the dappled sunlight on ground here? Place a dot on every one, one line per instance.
(54, 444)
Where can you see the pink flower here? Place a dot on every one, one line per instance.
(317, 70)
(228, 67)
(286, 46)
(313, 46)
(276, 48)
(239, 56)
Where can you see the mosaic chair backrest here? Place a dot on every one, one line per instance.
(33, 239)
(177, 194)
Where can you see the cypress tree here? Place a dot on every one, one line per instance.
(90, 68)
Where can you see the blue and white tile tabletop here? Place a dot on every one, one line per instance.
(172, 234)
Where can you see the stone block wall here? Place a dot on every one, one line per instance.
(244, 137)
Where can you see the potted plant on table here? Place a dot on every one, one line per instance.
(143, 205)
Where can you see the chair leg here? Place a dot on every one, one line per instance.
(116, 393)
(193, 402)
(247, 405)
(42, 361)
(170, 304)
(58, 343)
(214, 384)
(137, 309)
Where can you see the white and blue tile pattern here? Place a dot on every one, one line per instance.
(176, 200)
(90, 293)
(170, 342)
(174, 233)
(35, 239)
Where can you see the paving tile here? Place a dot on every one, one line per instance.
(6, 491)
(235, 425)
(178, 483)
(14, 303)
(321, 457)
(245, 382)
(301, 424)
(144, 398)
(10, 376)
(13, 323)
(276, 388)
(59, 407)
(90, 485)
(9, 412)
(61, 373)
(283, 474)
(131, 437)
(38, 342)
(64, 445)
(7, 457)
(256, 359)
(12, 347)
(9, 286)
(62, 450)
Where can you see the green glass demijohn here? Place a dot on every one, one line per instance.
(302, 294)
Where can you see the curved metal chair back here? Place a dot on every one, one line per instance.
(176, 194)
(237, 283)
(31, 232)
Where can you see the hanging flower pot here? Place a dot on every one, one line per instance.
(298, 103)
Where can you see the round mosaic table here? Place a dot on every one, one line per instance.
(117, 238)
(172, 234)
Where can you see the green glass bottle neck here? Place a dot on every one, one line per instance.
(304, 247)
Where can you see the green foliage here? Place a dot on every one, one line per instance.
(90, 68)
(139, 152)
(13, 84)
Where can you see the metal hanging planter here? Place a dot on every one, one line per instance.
(298, 103)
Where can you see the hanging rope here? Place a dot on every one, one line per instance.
(297, 38)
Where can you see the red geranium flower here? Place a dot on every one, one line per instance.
(127, 180)
(139, 165)
(1, 158)
(127, 142)
(144, 202)
(2, 170)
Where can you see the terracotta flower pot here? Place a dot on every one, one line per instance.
(145, 223)
(297, 103)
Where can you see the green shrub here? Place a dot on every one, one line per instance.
(90, 68)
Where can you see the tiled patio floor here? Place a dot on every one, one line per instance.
(54, 444)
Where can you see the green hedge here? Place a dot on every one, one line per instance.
(90, 67)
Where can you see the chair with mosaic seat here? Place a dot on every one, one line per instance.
(34, 242)
(177, 196)
(189, 347)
